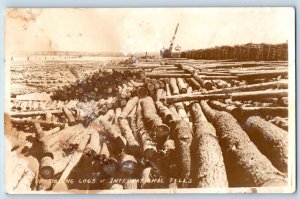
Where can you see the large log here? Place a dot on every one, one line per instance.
(252, 87)
(164, 112)
(260, 75)
(169, 75)
(32, 121)
(35, 113)
(149, 146)
(182, 134)
(173, 84)
(207, 84)
(181, 85)
(132, 143)
(153, 121)
(60, 185)
(239, 96)
(238, 150)
(271, 140)
(208, 169)
(258, 95)
(25, 183)
(69, 115)
(129, 106)
(192, 97)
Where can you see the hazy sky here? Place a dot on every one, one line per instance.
(131, 30)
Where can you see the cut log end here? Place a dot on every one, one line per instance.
(142, 92)
(162, 131)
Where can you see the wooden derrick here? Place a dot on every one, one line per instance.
(207, 156)
(238, 149)
(271, 140)
(132, 144)
(153, 121)
(149, 146)
(181, 85)
(129, 106)
(173, 84)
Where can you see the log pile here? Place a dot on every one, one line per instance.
(240, 52)
(153, 125)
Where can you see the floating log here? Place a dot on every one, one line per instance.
(262, 75)
(60, 185)
(181, 85)
(264, 111)
(129, 106)
(32, 121)
(164, 112)
(168, 75)
(69, 115)
(258, 95)
(203, 160)
(94, 146)
(182, 134)
(238, 149)
(192, 97)
(252, 87)
(240, 96)
(17, 174)
(25, 183)
(132, 144)
(271, 140)
(173, 84)
(149, 146)
(194, 83)
(35, 113)
(204, 83)
(153, 121)
(142, 92)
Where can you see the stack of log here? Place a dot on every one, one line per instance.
(158, 126)
(240, 52)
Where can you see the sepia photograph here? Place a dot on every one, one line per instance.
(150, 100)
